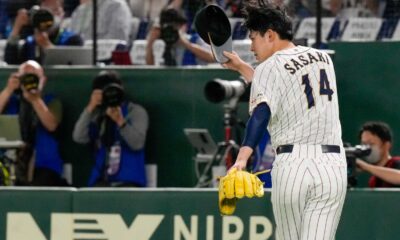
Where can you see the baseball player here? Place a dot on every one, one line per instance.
(294, 94)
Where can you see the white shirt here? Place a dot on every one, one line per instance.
(113, 20)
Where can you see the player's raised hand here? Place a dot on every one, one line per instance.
(234, 63)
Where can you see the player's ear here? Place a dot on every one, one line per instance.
(387, 146)
(271, 35)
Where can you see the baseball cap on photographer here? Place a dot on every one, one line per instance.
(213, 26)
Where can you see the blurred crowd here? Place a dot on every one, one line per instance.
(29, 27)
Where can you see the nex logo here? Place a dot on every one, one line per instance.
(73, 226)
(66, 226)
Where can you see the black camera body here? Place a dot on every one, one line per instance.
(352, 153)
(40, 19)
(29, 81)
(113, 95)
(169, 34)
(170, 22)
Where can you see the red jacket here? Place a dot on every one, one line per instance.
(375, 182)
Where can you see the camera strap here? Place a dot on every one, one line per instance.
(28, 121)
(169, 56)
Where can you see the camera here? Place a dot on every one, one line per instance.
(352, 153)
(358, 151)
(169, 34)
(40, 19)
(113, 95)
(218, 90)
(170, 22)
(29, 81)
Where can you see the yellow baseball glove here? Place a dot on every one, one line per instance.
(235, 185)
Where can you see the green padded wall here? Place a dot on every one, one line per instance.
(174, 100)
(368, 77)
(167, 214)
(368, 82)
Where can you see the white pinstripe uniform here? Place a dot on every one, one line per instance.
(308, 183)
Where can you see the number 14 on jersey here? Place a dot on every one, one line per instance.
(324, 88)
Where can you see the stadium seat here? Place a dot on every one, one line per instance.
(239, 31)
(396, 34)
(387, 29)
(105, 47)
(138, 52)
(307, 28)
(361, 29)
(335, 32)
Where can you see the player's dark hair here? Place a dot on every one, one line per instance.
(380, 129)
(261, 16)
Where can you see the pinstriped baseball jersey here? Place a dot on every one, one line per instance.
(299, 86)
(308, 184)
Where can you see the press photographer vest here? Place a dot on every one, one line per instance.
(132, 163)
(45, 145)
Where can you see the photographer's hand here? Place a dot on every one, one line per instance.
(153, 35)
(42, 39)
(12, 85)
(95, 100)
(32, 95)
(387, 174)
(362, 165)
(195, 48)
(46, 117)
(115, 113)
(21, 20)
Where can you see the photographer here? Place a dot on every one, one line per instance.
(40, 28)
(384, 168)
(116, 128)
(39, 116)
(113, 20)
(180, 48)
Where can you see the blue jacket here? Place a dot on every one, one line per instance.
(132, 163)
(46, 147)
(14, 54)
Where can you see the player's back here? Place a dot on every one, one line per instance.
(306, 110)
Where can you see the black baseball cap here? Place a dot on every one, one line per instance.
(213, 26)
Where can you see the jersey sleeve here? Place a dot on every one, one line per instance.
(265, 86)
